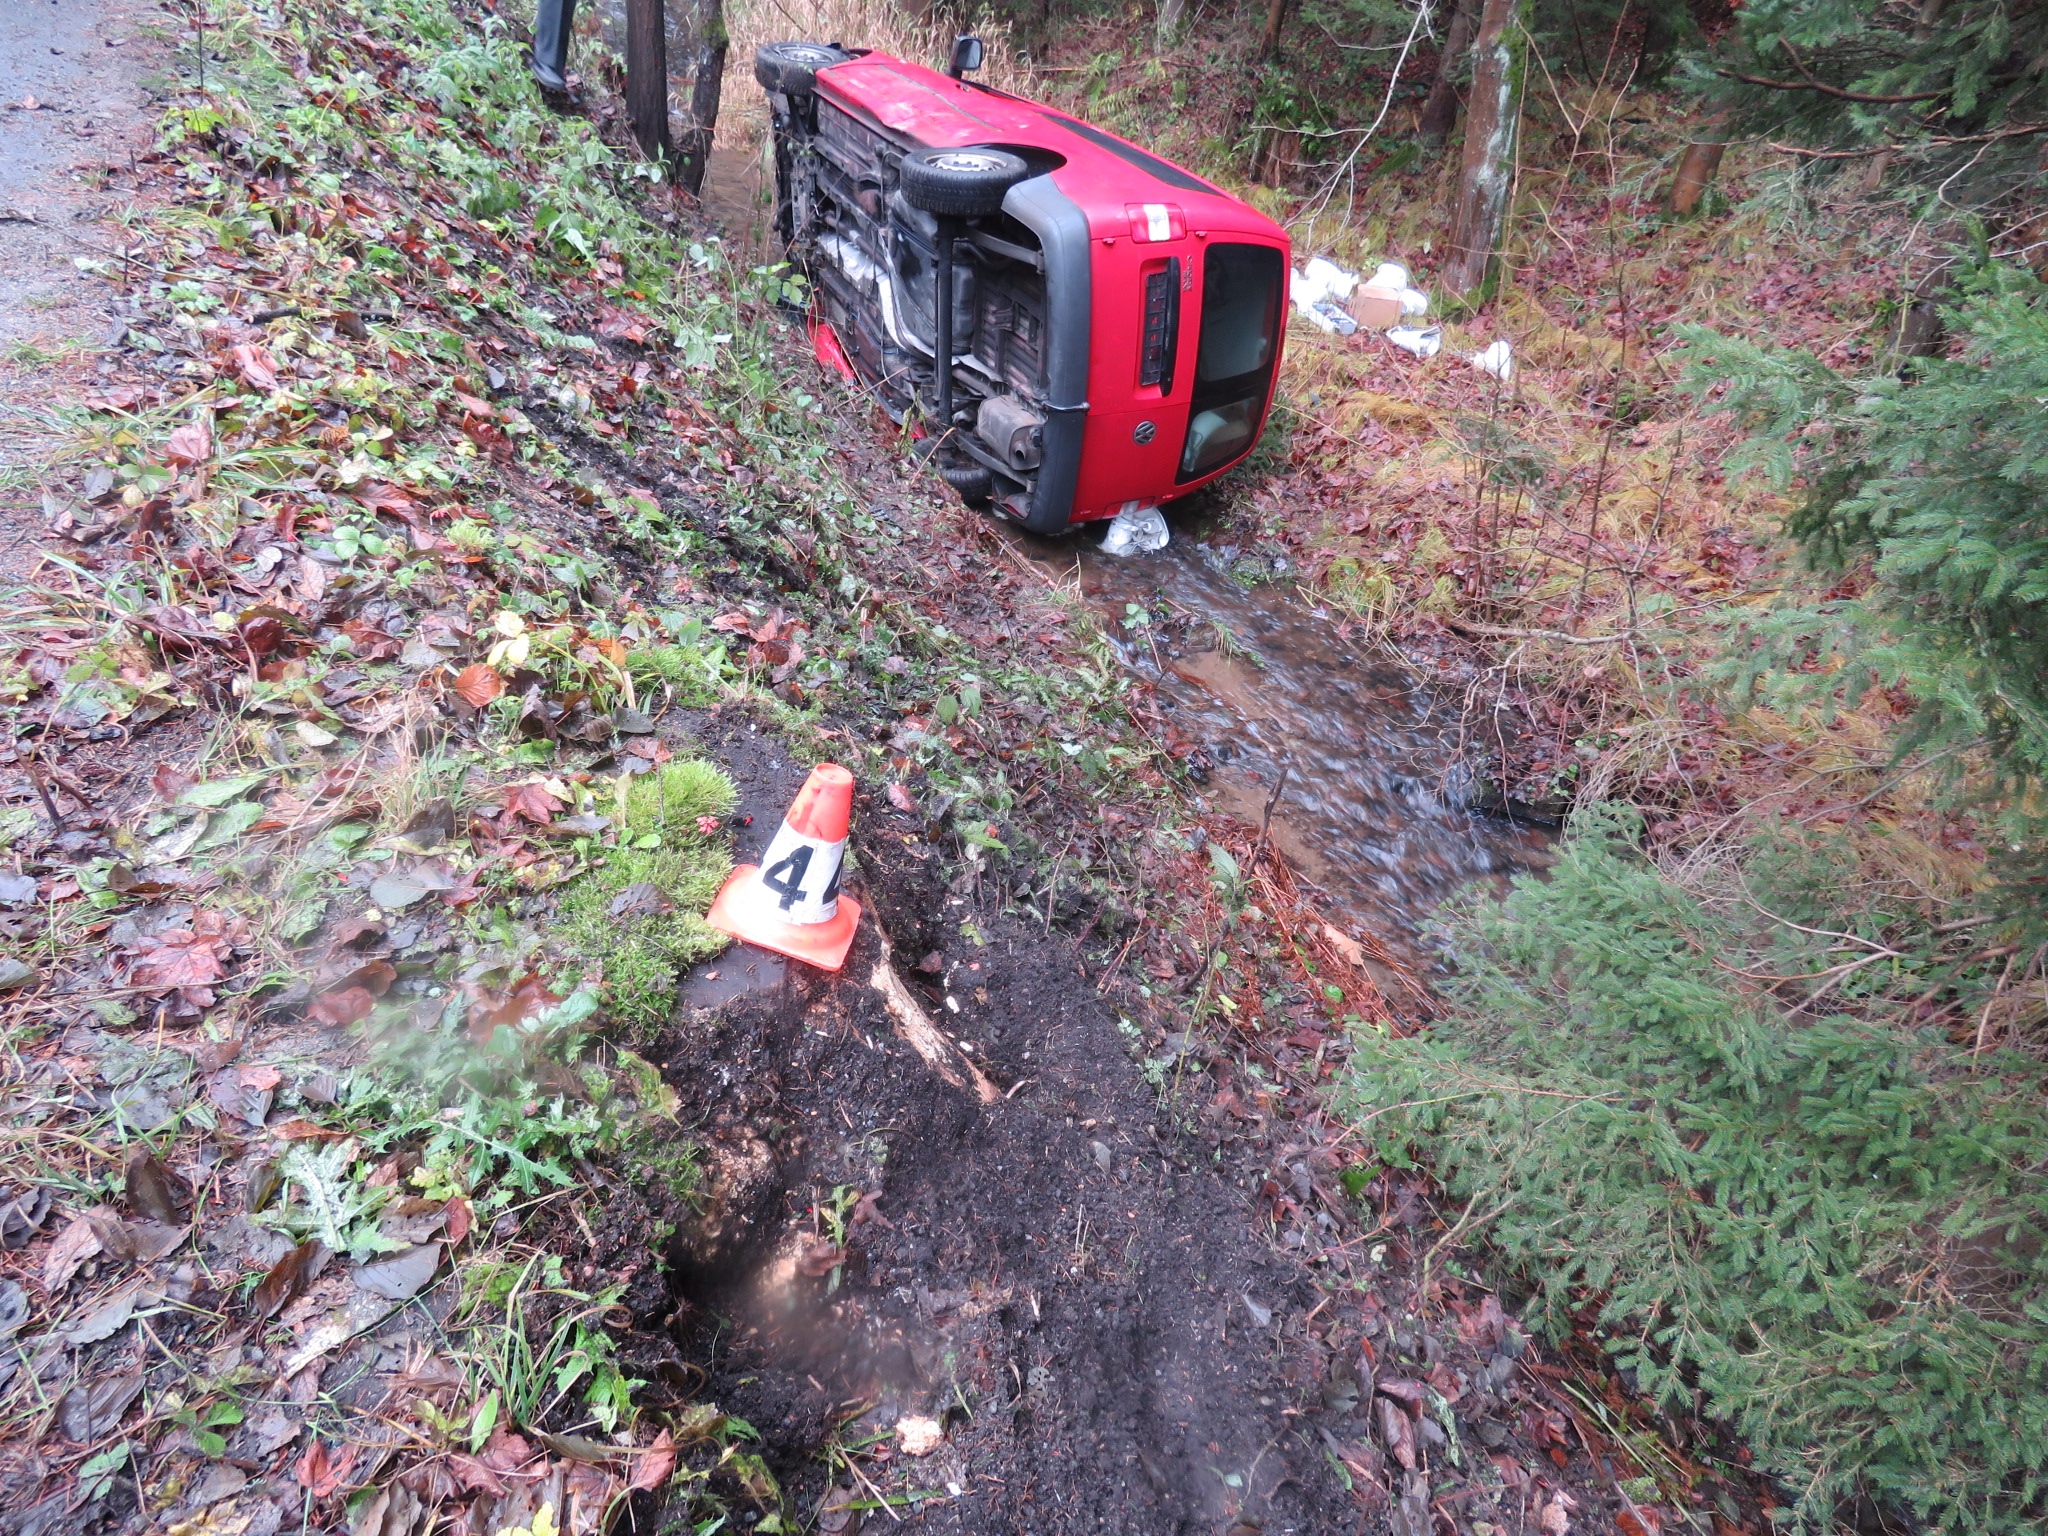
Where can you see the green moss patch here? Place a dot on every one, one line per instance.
(642, 948)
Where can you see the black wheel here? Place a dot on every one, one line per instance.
(962, 183)
(792, 68)
(974, 484)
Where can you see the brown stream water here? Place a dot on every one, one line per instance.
(1379, 790)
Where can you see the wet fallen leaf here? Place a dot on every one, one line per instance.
(477, 685)
(90, 1412)
(102, 1322)
(288, 1278)
(460, 1219)
(655, 1465)
(533, 801)
(1397, 1431)
(152, 1188)
(22, 1213)
(1640, 1520)
(190, 444)
(401, 1276)
(74, 1245)
(189, 960)
(638, 899)
(393, 1510)
(902, 799)
(314, 735)
(346, 1006)
(320, 1472)
(18, 890)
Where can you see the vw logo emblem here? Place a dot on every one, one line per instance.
(1144, 433)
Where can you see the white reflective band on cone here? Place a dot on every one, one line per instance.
(800, 877)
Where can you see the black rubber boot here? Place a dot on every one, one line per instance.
(551, 29)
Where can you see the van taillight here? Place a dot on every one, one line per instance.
(1162, 326)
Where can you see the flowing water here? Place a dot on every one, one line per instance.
(1376, 792)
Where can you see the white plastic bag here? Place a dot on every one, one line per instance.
(1498, 360)
(1318, 291)
(1423, 341)
(1137, 529)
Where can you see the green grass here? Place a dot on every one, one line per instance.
(641, 957)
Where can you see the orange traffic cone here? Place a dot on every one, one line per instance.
(790, 902)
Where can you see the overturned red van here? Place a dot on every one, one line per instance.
(1112, 323)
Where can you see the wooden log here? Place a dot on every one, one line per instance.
(1697, 168)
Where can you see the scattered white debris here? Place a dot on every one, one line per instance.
(918, 1436)
(1335, 281)
(1498, 360)
(1387, 297)
(1318, 292)
(1423, 341)
(1137, 529)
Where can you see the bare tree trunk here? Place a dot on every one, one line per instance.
(695, 156)
(1276, 17)
(1697, 168)
(1492, 121)
(1921, 331)
(1440, 110)
(647, 77)
(1171, 14)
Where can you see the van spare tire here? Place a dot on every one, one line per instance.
(792, 68)
(961, 183)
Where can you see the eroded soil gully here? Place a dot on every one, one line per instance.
(1061, 1278)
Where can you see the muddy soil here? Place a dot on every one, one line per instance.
(1056, 1274)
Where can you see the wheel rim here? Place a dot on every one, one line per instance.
(968, 163)
(808, 53)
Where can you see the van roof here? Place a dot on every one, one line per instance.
(1102, 173)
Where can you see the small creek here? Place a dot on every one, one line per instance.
(1378, 801)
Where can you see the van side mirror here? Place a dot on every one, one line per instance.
(967, 52)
